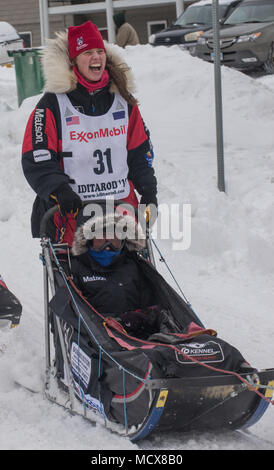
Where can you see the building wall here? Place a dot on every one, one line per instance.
(138, 18)
(24, 16)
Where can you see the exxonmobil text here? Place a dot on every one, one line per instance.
(98, 134)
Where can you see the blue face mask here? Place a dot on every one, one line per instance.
(103, 257)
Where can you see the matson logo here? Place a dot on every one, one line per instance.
(38, 125)
(101, 133)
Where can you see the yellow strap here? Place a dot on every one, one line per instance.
(269, 391)
(162, 399)
(147, 213)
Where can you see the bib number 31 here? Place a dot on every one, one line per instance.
(103, 161)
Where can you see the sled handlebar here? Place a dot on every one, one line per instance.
(45, 219)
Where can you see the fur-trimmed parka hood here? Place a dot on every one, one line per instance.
(123, 226)
(60, 77)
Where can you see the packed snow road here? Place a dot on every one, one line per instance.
(226, 273)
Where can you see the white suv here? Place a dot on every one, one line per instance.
(9, 40)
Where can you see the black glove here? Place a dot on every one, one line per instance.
(67, 199)
(137, 323)
(148, 199)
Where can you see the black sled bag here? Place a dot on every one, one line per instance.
(100, 380)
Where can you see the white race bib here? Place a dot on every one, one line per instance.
(95, 150)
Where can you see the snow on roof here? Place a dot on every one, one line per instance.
(209, 2)
(7, 32)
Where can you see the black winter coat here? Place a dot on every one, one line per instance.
(117, 288)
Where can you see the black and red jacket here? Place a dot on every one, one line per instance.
(43, 131)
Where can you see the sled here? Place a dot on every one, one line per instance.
(110, 377)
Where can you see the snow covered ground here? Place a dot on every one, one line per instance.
(226, 274)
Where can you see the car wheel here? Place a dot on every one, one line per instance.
(268, 66)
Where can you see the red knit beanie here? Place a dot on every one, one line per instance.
(84, 37)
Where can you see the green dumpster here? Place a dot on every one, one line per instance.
(28, 70)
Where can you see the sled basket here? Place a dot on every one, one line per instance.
(111, 376)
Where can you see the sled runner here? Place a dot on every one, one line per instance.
(181, 377)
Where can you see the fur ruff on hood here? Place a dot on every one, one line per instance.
(133, 233)
(60, 77)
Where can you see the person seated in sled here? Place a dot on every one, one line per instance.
(113, 276)
(105, 268)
